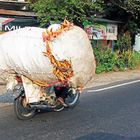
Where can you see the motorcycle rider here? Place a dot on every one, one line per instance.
(61, 93)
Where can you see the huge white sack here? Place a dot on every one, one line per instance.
(22, 50)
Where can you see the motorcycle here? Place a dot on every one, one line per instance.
(24, 110)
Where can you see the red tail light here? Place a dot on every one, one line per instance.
(58, 87)
(18, 78)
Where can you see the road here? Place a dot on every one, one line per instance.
(108, 114)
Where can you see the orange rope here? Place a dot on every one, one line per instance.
(61, 69)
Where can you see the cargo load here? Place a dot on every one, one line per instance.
(60, 53)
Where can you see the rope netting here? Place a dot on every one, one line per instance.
(61, 69)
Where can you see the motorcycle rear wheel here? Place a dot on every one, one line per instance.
(23, 112)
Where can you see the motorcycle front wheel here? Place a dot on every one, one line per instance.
(72, 98)
(22, 111)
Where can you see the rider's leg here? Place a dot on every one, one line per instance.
(61, 94)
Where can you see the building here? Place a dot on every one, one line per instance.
(14, 14)
(102, 32)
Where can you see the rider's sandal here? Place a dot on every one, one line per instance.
(61, 100)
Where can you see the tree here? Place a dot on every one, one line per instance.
(130, 6)
(127, 11)
(74, 10)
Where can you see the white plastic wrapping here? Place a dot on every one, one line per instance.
(21, 51)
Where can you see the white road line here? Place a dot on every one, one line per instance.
(110, 87)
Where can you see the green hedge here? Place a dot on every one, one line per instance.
(106, 60)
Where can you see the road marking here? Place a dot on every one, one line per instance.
(110, 87)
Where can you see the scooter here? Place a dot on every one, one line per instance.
(24, 110)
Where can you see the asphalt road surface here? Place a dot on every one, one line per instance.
(109, 114)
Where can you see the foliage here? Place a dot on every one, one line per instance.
(106, 60)
(123, 59)
(130, 6)
(74, 10)
(134, 61)
(127, 11)
(124, 43)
